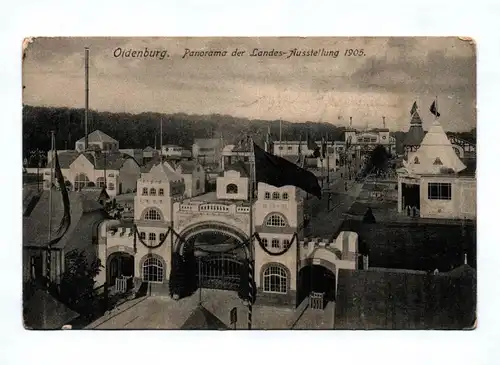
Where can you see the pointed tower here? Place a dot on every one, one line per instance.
(415, 134)
(435, 155)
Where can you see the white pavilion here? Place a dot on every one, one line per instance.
(436, 181)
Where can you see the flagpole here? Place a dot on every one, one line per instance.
(52, 158)
(281, 135)
(250, 246)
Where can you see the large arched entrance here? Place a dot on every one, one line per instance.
(316, 278)
(211, 256)
(120, 264)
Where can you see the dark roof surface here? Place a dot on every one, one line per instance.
(42, 311)
(109, 160)
(240, 167)
(202, 319)
(84, 215)
(186, 167)
(98, 136)
(369, 299)
(414, 136)
(415, 246)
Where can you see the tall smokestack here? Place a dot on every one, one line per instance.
(86, 98)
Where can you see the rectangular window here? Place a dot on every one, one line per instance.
(439, 191)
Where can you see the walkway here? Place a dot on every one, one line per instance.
(166, 313)
(324, 223)
(314, 319)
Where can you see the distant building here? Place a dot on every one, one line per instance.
(208, 150)
(194, 177)
(361, 143)
(99, 139)
(136, 153)
(148, 154)
(174, 152)
(436, 181)
(116, 171)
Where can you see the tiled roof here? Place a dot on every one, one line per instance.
(372, 299)
(202, 319)
(98, 136)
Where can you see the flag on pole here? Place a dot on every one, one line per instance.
(299, 159)
(66, 219)
(277, 171)
(434, 109)
(414, 108)
(323, 148)
(312, 146)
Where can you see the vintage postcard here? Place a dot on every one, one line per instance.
(249, 183)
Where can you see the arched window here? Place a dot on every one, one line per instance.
(232, 189)
(275, 243)
(101, 182)
(267, 195)
(152, 191)
(198, 185)
(152, 215)
(416, 161)
(152, 270)
(276, 195)
(275, 220)
(81, 181)
(275, 280)
(285, 196)
(144, 191)
(111, 186)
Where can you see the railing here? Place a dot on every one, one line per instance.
(121, 284)
(317, 300)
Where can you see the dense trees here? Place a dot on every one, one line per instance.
(138, 131)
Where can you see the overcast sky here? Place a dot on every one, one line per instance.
(385, 82)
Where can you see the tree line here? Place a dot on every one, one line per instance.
(142, 130)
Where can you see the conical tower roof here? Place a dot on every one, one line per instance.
(435, 155)
(416, 133)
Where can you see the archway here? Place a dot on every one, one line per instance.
(316, 278)
(119, 264)
(210, 255)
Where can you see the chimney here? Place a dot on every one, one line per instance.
(383, 121)
(350, 122)
(86, 98)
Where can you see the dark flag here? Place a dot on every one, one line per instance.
(414, 108)
(299, 159)
(434, 109)
(277, 171)
(312, 146)
(66, 219)
(323, 148)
